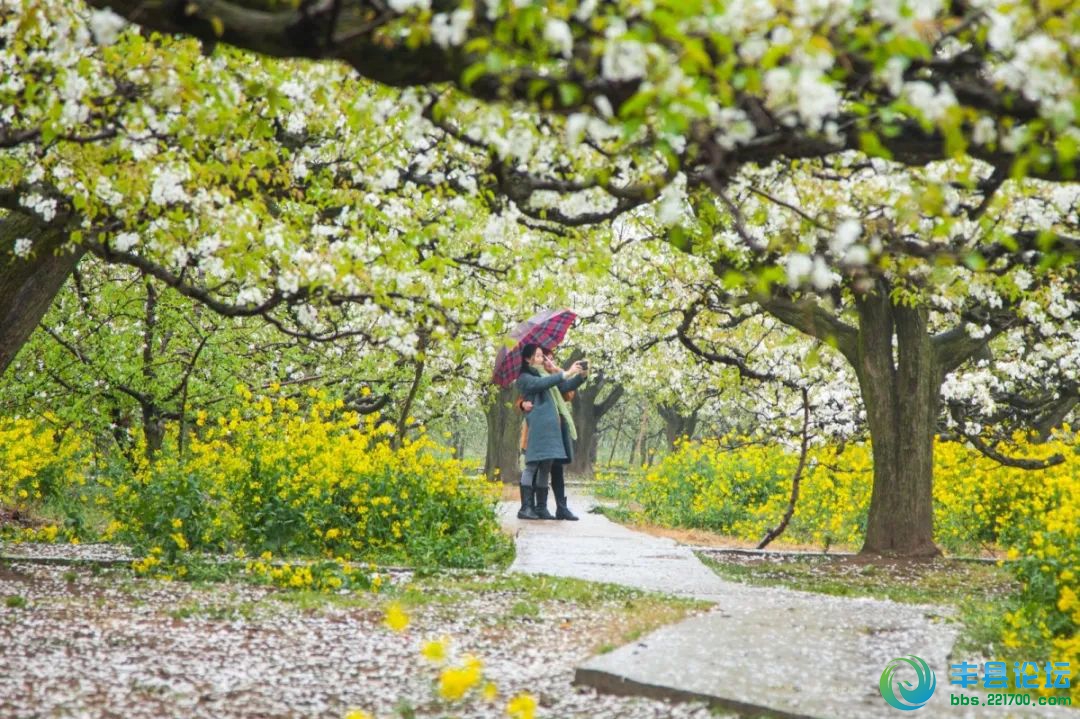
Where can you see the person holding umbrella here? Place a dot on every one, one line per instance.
(550, 424)
(558, 478)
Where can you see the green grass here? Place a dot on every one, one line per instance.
(217, 612)
(622, 515)
(931, 582)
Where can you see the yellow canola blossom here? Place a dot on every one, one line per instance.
(396, 618)
(435, 651)
(522, 706)
(455, 682)
(312, 481)
(357, 714)
(37, 463)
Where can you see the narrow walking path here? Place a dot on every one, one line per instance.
(760, 649)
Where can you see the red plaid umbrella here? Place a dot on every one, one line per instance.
(546, 329)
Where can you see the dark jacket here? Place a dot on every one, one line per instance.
(548, 437)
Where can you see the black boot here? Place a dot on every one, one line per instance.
(558, 488)
(527, 510)
(541, 504)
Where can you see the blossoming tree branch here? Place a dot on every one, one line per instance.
(894, 180)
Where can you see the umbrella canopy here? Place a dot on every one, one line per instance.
(547, 329)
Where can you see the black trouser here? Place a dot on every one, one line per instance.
(558, 483)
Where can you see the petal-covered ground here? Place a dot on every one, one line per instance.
(87, 641)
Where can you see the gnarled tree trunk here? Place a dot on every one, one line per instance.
(677, 424)
(503, 435)
(901, 397)
(588, 412)
(29, 285)
(901, 392)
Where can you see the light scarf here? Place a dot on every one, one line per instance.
(560, 404)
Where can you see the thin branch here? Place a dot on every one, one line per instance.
(795, 479)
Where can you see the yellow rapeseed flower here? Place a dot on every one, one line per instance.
(357, 714)
(522, 706)
(455, 682)
(396, 618)
(435, 650)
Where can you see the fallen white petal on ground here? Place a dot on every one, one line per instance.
(110, 645)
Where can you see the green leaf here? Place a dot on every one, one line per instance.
(570, 94)
(472, 73)
(637, 104)
(871, 145)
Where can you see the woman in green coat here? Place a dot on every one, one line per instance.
(545, 421)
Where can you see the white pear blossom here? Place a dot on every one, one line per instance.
(388, 180)
(306, 316)
(603, 106)
(734, 128)
(168, 186)
(1002, 36)
(575, 127)
(43, 207)
(585, 10)
(624, 60)
(753, 49)
(847, 232)
(106, 26)
(799, 266)
(932, 103)
(893, 74)
(450, 30)
(23, 245)
(557, 34)
(984, 132)
(124, 241)
(401, 6)
(821, 277)
(672, 206)
(857, 255)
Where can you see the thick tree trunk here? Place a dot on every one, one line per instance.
(153, 431)
(677, 424)
(637, 449)
(588, 410)
(585, 421)
(503, 436)
(28, 286)
(901, 401)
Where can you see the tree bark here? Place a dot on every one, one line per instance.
(588, 411)
(406, 409)
(28, 285)
(677, 424)
(618, 435)
(638, 448)
(901, 399)
(585, 421)
(503, 436)
(153, 422)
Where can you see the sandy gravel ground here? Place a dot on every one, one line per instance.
(75, 643)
